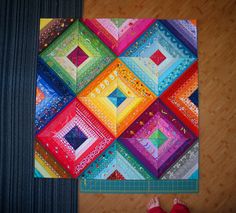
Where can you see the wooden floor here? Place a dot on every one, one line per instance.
(217, 69)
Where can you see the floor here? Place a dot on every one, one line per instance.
(217, 59)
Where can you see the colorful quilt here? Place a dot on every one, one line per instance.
(117, 99)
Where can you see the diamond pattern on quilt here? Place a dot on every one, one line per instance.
(182, 97)
(167, 51)
(158, 57)
(159, 132)
(77, 56)
(117, 163)
(51, 95)
(134, 97)
(117, 99)
(118, 34)
(75, 138)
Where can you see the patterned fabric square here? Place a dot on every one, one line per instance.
(75, 137)
(117, 99)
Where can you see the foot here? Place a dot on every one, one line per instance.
(154, 202)
(178, 201)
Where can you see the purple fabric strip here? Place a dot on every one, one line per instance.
(178, 153)
(126, 143)
(182, 34)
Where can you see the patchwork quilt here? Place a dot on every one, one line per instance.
(117, 99)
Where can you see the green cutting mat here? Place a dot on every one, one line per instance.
(138, 186)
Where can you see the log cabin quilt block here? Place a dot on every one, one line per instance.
(117, 99)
